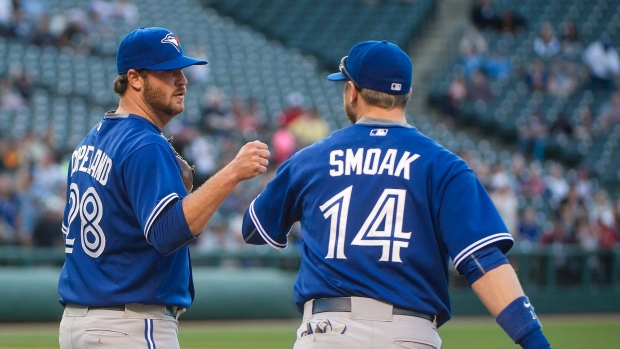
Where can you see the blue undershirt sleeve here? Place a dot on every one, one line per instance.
(170, 230)
(481, 262)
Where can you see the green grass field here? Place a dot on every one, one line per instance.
(564, 332)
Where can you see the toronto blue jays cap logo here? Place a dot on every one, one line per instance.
(172, 39)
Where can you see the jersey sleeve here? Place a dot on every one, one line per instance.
(270, 216)
(153, 181)
(469, 220)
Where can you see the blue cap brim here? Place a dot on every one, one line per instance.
(336, 77)
(179, 62)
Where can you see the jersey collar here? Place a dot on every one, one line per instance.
(369, 120)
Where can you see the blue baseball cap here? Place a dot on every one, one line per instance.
(377, 65)
(152, 49)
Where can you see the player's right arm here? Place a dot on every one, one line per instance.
(200, 205)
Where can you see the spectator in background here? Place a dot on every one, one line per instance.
(603, 64)
(42, 35)
(293, 109)
(10, 221)
(601, 209)
(479, 88)
(532, 182)
(537, 77)
(283, 144)
(557, 235)
(22, 81)
(570, 41)
(116, 12)
(511, 22)
(309, 128)
(484, 15)
(561, 128)
(457, 94)
(473, 48)
(216, 119)
(556, 183)
(583, 184)
(533, 136)
(609, 115)
(546, 44)
(563, 78)
(529, 230)
(587, 236)
(505, 200)
(250, 120)
(10, 98)
(498, 66)
(585, 125)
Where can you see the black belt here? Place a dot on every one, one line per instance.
(171, 310)
(343, 304)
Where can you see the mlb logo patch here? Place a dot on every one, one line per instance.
(396, 87)
(379, 132)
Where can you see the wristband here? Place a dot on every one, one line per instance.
(521, 324)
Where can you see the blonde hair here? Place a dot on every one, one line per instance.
(384, 100)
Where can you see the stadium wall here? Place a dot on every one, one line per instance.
(30, 295)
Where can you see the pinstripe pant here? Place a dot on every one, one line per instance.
(138, 327)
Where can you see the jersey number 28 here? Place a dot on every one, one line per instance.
(90, 209)
(383, 227)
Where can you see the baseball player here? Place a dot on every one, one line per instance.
(129, 215)
(382, 209)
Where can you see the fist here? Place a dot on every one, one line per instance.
(251, 160)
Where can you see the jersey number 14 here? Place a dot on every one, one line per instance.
(383, 227)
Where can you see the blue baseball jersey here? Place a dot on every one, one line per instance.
(121, 177)
(382, 210)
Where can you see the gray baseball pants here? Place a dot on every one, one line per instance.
(369, 325)
(137, 327)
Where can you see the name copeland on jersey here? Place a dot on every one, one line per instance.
(96, 163)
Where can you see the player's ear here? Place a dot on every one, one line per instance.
(353, 92)
(135, 79)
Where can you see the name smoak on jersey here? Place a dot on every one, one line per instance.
(96, 163)
(374, 161)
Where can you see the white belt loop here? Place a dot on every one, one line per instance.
(143, 311)
(308, 310)
(370, 309)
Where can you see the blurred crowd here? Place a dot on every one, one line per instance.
(33, 168)
(561, 65)
(543, 202)
(31, 21)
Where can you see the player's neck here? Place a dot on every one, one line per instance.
(129, 106)
(394, 114)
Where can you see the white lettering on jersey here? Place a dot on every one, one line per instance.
(370, 162)
(339, 171)
(353, 162)
(97, 165)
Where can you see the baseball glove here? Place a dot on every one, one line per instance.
(187, 171)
